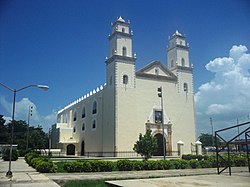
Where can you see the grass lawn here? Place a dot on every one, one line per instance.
(85, 183)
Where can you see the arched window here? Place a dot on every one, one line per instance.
(125, 79)
(185, 87)
(123, 30)
(110, 80)
(124, 51)
(83, 112)
(83, 127)
(182, 62)
(75, 116)
(172, 63)
(94, 124)
(74, 129)
(94, 108)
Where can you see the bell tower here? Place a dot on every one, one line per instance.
(121, 64)
(179, 64)
(178, 51)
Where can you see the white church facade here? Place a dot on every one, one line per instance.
(108, 120)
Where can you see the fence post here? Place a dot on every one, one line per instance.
(180, 147)
(198, 147)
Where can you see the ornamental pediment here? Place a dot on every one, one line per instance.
(156, 70)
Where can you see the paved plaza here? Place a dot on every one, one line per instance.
(25, 176)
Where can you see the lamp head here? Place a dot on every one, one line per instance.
(44, 87)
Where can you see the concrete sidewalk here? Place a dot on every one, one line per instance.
(223, 180)
(23, 175)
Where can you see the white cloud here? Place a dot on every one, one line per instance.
(226, 97)
(21, 113)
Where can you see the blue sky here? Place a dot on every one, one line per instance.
(63, 44)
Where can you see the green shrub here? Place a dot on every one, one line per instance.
(45, 167)
(86, 166)
(138, 165)
(179, 164)
(199, 157)
(6, 155)
(106, 166)
(124, 165)
(74, 166)
(188, 157)
(94, 165)
(194, 163)
(205, 164)
(150, 165)
(167, 164)
(239, 160)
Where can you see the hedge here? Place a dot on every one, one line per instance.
(41, 164)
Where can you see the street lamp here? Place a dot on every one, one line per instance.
(44, 87)
(162, 122)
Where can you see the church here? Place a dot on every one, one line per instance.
(107, 121)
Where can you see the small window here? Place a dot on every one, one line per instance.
(123, 29)
(182, 62)
(74, 129)
(75, 116)
(94, 108)
(180, 42)
(125, 79)
(185, 87)
(124, 51)
(156, 71)
(158, 116)
(83, 112)
(83, 127)
(94, 124)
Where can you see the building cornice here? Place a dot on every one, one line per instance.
(118, 33)
(185, 47)
(156, 77)
(123, 59)
(184, 69)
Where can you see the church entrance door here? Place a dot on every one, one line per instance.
(71, 149)
(159, 151)
(82, 150)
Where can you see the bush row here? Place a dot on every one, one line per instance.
(128, 165)
(40, 163)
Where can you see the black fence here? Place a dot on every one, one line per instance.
(124, 154)
(224, 146)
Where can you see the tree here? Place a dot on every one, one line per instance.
(4, 135)
(146, 145)
(208, 139)
(38, 139)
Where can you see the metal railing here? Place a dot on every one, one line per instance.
(226, 147)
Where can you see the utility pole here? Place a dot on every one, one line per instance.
(211, 123)
(162, 122)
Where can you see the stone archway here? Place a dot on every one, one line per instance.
(71, 149)
(83, 148)
(159, 138)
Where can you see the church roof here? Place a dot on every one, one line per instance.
(165, 73)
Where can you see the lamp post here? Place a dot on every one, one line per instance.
(162, 122)
(28, 128)
(44, 87)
